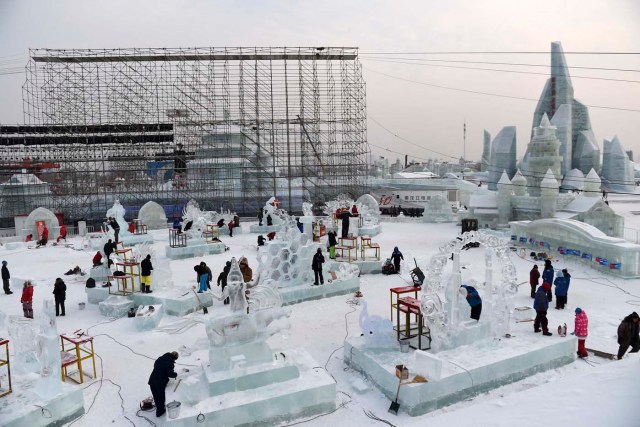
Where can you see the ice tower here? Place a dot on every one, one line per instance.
(617, 169)
(581, 151)
(486, 152)
(503, 156)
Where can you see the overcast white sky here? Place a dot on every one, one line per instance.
(428, 116)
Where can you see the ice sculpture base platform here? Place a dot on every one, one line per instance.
(369, 230)
(312, 392)
(136, 239)
(175, 302)
(307, 292)
(372, 266)
(18, 408)
(264, 229)
(196, 248)
(491, 363)
(224, 231)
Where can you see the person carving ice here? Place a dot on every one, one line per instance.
(115, 227)
(474, 300)
(163, 369)
(145, 274)
(344, 216)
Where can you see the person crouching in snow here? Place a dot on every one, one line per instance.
(541, 305)
(581, 330)
(474, 300)
(27, 299)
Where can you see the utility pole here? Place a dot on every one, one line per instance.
(464, 146)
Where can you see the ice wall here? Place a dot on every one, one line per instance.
(503, 155)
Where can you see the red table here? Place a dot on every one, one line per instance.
(78, 351)
(409, 306)
(400, 291)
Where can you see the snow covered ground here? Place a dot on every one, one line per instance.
(588, 393)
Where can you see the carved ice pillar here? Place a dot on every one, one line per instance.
(23, 338)
(48, 350)
(452, 292)
(504, 201)
(549, 192)
(487, 298)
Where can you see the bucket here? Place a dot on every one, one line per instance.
(173, 409)
(404, 345)
(81, 306)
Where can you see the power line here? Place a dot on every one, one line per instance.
(476, 92)
(515, 52)
(519, 64)
(408, 141)
(499, 70)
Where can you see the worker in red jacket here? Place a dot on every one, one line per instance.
(27, 299)
(97, 259)
(534, 278)
(44, 237)
(63, 234)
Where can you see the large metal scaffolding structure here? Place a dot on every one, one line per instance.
(228, 127)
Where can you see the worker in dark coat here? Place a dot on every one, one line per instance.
(396, 256)
(222, 278)
(547, 276)
(345, 215)
(108, 250)
(260, 216)
(269, 220)
(474, 300)
(6, 276)
(116, 229)
(541, 305)
(145, 275)
(534, 278)
(629, 334)
(59, 295)
(316, 266)
(163, 369)
(261, 240)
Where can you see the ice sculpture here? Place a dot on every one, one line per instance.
(287, 259)
(307, 209)
(198, 219)
(115, 306)
(377, 332)
(486, 152)
(117, 212)
(543, 154)
(48, 350)
(23, 338)
(153, 216)
(272, 208)
(341, 201)
(148, 317)
(438, 209)
(448, 328)
(239, 327)
(368, 209)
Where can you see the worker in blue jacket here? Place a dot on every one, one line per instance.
(547, 276)
(474, 300)
(562, 288)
